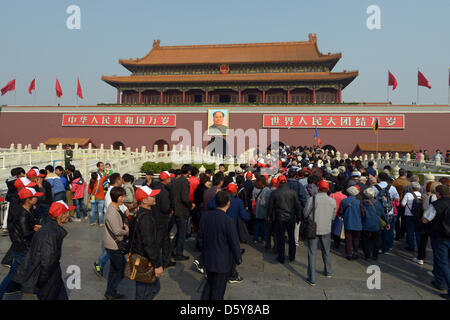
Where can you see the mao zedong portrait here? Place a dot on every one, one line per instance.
(218, 128)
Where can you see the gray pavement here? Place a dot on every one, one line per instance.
(264, 277)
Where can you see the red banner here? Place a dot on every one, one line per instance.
(119, 120)
(334, 121)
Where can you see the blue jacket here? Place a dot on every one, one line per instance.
(352, 214)
(371, 220)
(219, 241)
(299, 189)
(236, 209)
(56, 183)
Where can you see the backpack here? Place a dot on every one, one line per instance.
(417, 207)
(385, 198)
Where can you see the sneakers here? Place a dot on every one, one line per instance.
(116, 296)
(417, 260)
(85, 218)
(196, 264)
(76, 219)
(312, 284)
(92, 224)
(98, 270)
(329, 276)
(430, 273)
(238, 279)
(101, 225)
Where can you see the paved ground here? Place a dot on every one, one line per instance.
(264, 277)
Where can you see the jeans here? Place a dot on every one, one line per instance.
(116, 270)
(103, 259)
(280, 229)
(387, 236)
(259, 223)
(147, 291)
(18, 258)
(442, 260)
(325, 242)
(79, 206)
(97, 206)
(411, 231)
(42, 211)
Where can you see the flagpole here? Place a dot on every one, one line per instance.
(417, 101)
(387, 87)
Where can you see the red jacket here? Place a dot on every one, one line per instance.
(193, 184)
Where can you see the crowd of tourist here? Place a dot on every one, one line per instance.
(306, 196)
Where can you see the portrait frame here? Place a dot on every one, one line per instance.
(226, 122)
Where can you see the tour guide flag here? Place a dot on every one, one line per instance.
(422, 81)
(11, 86)
(58, 89)
(32, 86)
(392, 81)
(315, 133)
(375, 126)
(79, 93)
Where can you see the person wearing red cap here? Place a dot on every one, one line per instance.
(249, 186)
(145, 241)
(284, 210)
(21, 230)
(41, 268)
(322, 210)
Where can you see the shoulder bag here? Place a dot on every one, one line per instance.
(308, 227)
(383, 223)
(138, 268)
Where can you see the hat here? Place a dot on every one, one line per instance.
(28, 193)
(34, 173)
(335, 172)
(145, 192)
(353, 191)
(369, 193)
(165, 175)
(282, 179)
(356, 173)
(323, 185)
(58, 208)
(23, 182)
(341, 169)
(274, 181)
(249, 175)
(238, 170)
(232, 187)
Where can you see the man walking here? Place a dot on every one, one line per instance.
(182, 207)
(323, 209)
(219, 242)
(284, 210)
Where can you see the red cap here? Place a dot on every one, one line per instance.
(249, 175)
(145, 192)
(34, 173)
(58, 208)
(23, 182)
(232, 187)
(282, 179)
(165, 175)
(323, 185)
(274, 181)
(28, 193)
(2, 199)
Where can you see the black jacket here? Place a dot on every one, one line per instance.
(46, 189)
(440, 225)
(219, 241)
(180, 197)
(41, 268)
(145, 240)
(12, 197)
(21, 230)
(249, 186)
(284, 205)
(161, 210)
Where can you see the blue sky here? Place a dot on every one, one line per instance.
(37, 43)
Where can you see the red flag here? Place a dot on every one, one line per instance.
(319, 142)
(392, 81)
(58, 89)
(422, 81)
(11, 86)
(79, 93)
(32, 86)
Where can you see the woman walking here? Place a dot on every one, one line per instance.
(97, 198)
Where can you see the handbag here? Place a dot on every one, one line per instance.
(383, 223)
(137, 267)
(123, 245)
(336, 226)
(308, 227)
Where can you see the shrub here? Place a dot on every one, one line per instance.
(156, 167)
